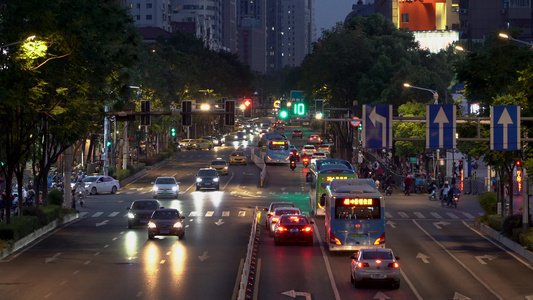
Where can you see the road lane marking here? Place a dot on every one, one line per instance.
(113, 214)
(242, 213)
(388, 215)
(96, 215)
(419, 215)
(225, 213)
(436, 215)
(452, 215)
(403, 215)
(470, 216)
(328, 267)
(209, 213)
(458, 261)
(193, 214)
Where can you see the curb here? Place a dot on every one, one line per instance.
(37, 234)
(496, 235)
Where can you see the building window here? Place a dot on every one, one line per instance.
(138, 17)
(148, 17)
(405, 18)
(138, 5)
(148, 5)
(520, 3)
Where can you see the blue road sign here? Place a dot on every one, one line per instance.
(297, 96)
(505, 127)
(377, 126)
(440, 126)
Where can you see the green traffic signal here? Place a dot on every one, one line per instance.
(108, 143)
(173, 132)
(283, 114)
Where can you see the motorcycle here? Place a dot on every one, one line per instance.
(293, 165)
(305, 161)
(455, 199)
(80, 195)
(432, 190)
(388, 190)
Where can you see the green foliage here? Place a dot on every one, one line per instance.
(488, 202)
(19, 227)
(56, 197)
(123, 173)
(510, 223)
(112, 171)
(526, 239)
(496, 222)
(36, 212)
(408, 129)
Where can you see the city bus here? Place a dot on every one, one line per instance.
(275, 148)
(355, 215)
(321, 172)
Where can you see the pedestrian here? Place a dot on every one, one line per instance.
(73, 199)
(408, 182)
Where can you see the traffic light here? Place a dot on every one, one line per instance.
(248, 105)
(283, 114)
(460, 165)
(518, 163)
(186, 113)
(229, 116)
(145, 108)
(173, 132)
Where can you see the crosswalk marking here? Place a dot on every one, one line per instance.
(96, 215)
(436, 215)
(452, 215)
(193, 214)
(419, 215)
(403, 215)
(468, 215)
(113, 214)
(242, 213)
(225, 213)
(82, 214)
(209, 213)
(388, 215)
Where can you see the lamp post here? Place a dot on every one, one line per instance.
(505, 36)
(18, 42)
(255, 93)
(435, 94)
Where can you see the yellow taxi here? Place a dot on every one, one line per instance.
(200, 144)
(220, 165)
(237, 157)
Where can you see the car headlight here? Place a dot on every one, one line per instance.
(151, 225)
(155, 188)
(131, 215)
(178, 225)
(215, 179)
(235, 143)
(225, 168)
(245, 143)
(174, 188)
(198, 179)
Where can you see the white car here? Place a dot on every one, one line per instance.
(165, 187)
(184, 143)
(375, 264)
(319, 155)
(308, 150)
(101, 184)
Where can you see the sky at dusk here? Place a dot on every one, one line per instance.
(329, 12)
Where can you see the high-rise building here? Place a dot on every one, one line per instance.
(152, 13)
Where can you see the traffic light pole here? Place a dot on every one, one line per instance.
(106, 132)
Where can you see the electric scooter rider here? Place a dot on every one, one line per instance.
(445, 193)
(292, 162)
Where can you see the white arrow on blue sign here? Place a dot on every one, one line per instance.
(440, 126)
(377, 126)
(505, 127)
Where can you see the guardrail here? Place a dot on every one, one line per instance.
(248, 275)
(260, 163)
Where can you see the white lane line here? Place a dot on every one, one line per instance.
(452, 215)
(96, 215)
(326, 262)
(209, 213)
(193, 214)
(468, 215)
(403, 215)
(113, 214)
(458, 261)
(242, 213)
(436, 215)
(388, 215)
(419, 215)
(225, 213)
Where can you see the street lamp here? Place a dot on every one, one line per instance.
(435, 94)
(18, 42)
(461, 49)
(255, 93)
(505, 36)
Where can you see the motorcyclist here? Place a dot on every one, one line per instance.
(408, 182)
(445, 192)
(451, 194)
(292, 160)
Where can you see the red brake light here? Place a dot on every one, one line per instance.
(378, 261)
(281, 228)
(275, 219)
(394, 265)
(361, 264)
(307, 229)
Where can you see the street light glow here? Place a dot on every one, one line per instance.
(435, 94)
(503, 35)
(406, 85)
(205, 106)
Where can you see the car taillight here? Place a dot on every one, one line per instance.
(380, 240)
(275, 219)
(334, 240)
(361, 264)
(307, 229)
(394, 265)
(281, 229)
(378, 261)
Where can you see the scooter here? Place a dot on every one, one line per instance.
(432, 191)
(455, 199)
(305, 161)
(388, 190)
(293, 165)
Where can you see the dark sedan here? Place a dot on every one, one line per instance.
(297, 133)
(166, 221)
(140, 211)
(294, 228)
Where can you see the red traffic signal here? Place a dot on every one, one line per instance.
(518, 163)
(247, 102)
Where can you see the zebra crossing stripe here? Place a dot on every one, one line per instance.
(388, 215)
(225, 213)
(452, 215)
(242, 213)
(193, 214)
(113, 214)
(96, 215)
(419, 215)
(468, 215)
(436, 215)
(403, 215)
(209, 213)
(82, 214)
